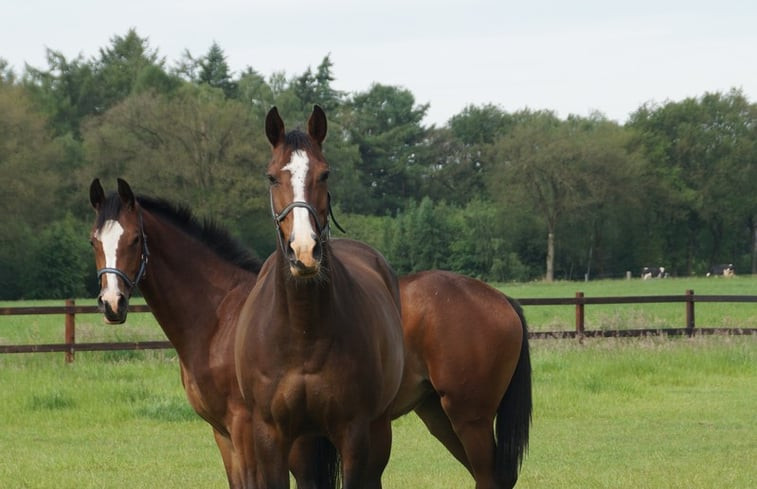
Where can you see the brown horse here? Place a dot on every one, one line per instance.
(467, 368)
(452, 325)
(195, 280)
(319, 348)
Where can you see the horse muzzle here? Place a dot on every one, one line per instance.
(114, 309)
(304, 256)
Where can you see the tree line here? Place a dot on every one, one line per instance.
(493, 194)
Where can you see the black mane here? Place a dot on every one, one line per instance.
(208, 231)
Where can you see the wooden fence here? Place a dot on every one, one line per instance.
(689, 299)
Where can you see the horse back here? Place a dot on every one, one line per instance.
(478, 325)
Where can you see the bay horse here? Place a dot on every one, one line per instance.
(453, 325)
(319, 349)
(467, 369)
(195, 279)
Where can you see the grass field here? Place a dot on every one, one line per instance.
(608, 413)
(641, 413)
(621, 316)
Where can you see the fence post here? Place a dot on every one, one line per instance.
(580, 314)
(70, 335)
(690, 312)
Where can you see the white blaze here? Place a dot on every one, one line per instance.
(109, 235)
(298, 168)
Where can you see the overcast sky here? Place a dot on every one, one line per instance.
(573, 57)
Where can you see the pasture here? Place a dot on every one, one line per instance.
(674, 413)
(622, 316)
(608, 413)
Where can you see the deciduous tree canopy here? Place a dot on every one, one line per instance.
(497, 195)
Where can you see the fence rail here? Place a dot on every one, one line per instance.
(70, 310)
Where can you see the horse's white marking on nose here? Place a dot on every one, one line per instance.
(109, 235)
(298, 167)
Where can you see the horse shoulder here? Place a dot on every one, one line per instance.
(363, 262)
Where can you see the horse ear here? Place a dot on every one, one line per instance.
(124, 190)
(317, 124)
(96, 194)
(274, 127)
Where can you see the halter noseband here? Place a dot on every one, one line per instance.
(323, 231)
(142, 262)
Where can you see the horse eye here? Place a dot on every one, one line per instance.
(324, 176)
(272, 179)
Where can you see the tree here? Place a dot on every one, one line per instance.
(121, 67)
(65, 92)
(385, 123)
(214, 70)
(7, 76)
(254, 90)
(703, 152)
(480, 125)
(30, 178)
(29, 161)
(194, 147)
(562, 169)
(61, 261)
(456, 154)
(315, 88)
(71, 90)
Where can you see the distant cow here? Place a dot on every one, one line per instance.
(722, 270)
(653, 272)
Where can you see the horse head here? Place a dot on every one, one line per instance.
(299, 195)
(120, 246)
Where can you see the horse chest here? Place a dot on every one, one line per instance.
(301, 403)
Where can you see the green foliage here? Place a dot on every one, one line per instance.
(385, 124)
(491, 194)
(62, 262)
(214, 71)
(702, 150)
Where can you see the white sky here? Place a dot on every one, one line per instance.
(572, 57)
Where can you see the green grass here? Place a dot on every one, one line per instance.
(639, 413)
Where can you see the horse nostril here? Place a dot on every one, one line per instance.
(317, 250)
(289, 250)
(100, 303)
(122, 302)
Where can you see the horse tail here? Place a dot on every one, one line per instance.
(327, 464)
(514, 413)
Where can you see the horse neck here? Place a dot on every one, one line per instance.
(186, 285)
(304, 301)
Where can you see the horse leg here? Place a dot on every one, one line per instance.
(314, 463)
(271, 456)
(300, 465)
(381, 446)
(242, 442)
(227, 455)
(433, 416)
(476, 433)
(365, 452)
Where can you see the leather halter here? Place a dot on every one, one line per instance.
(324, 231)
